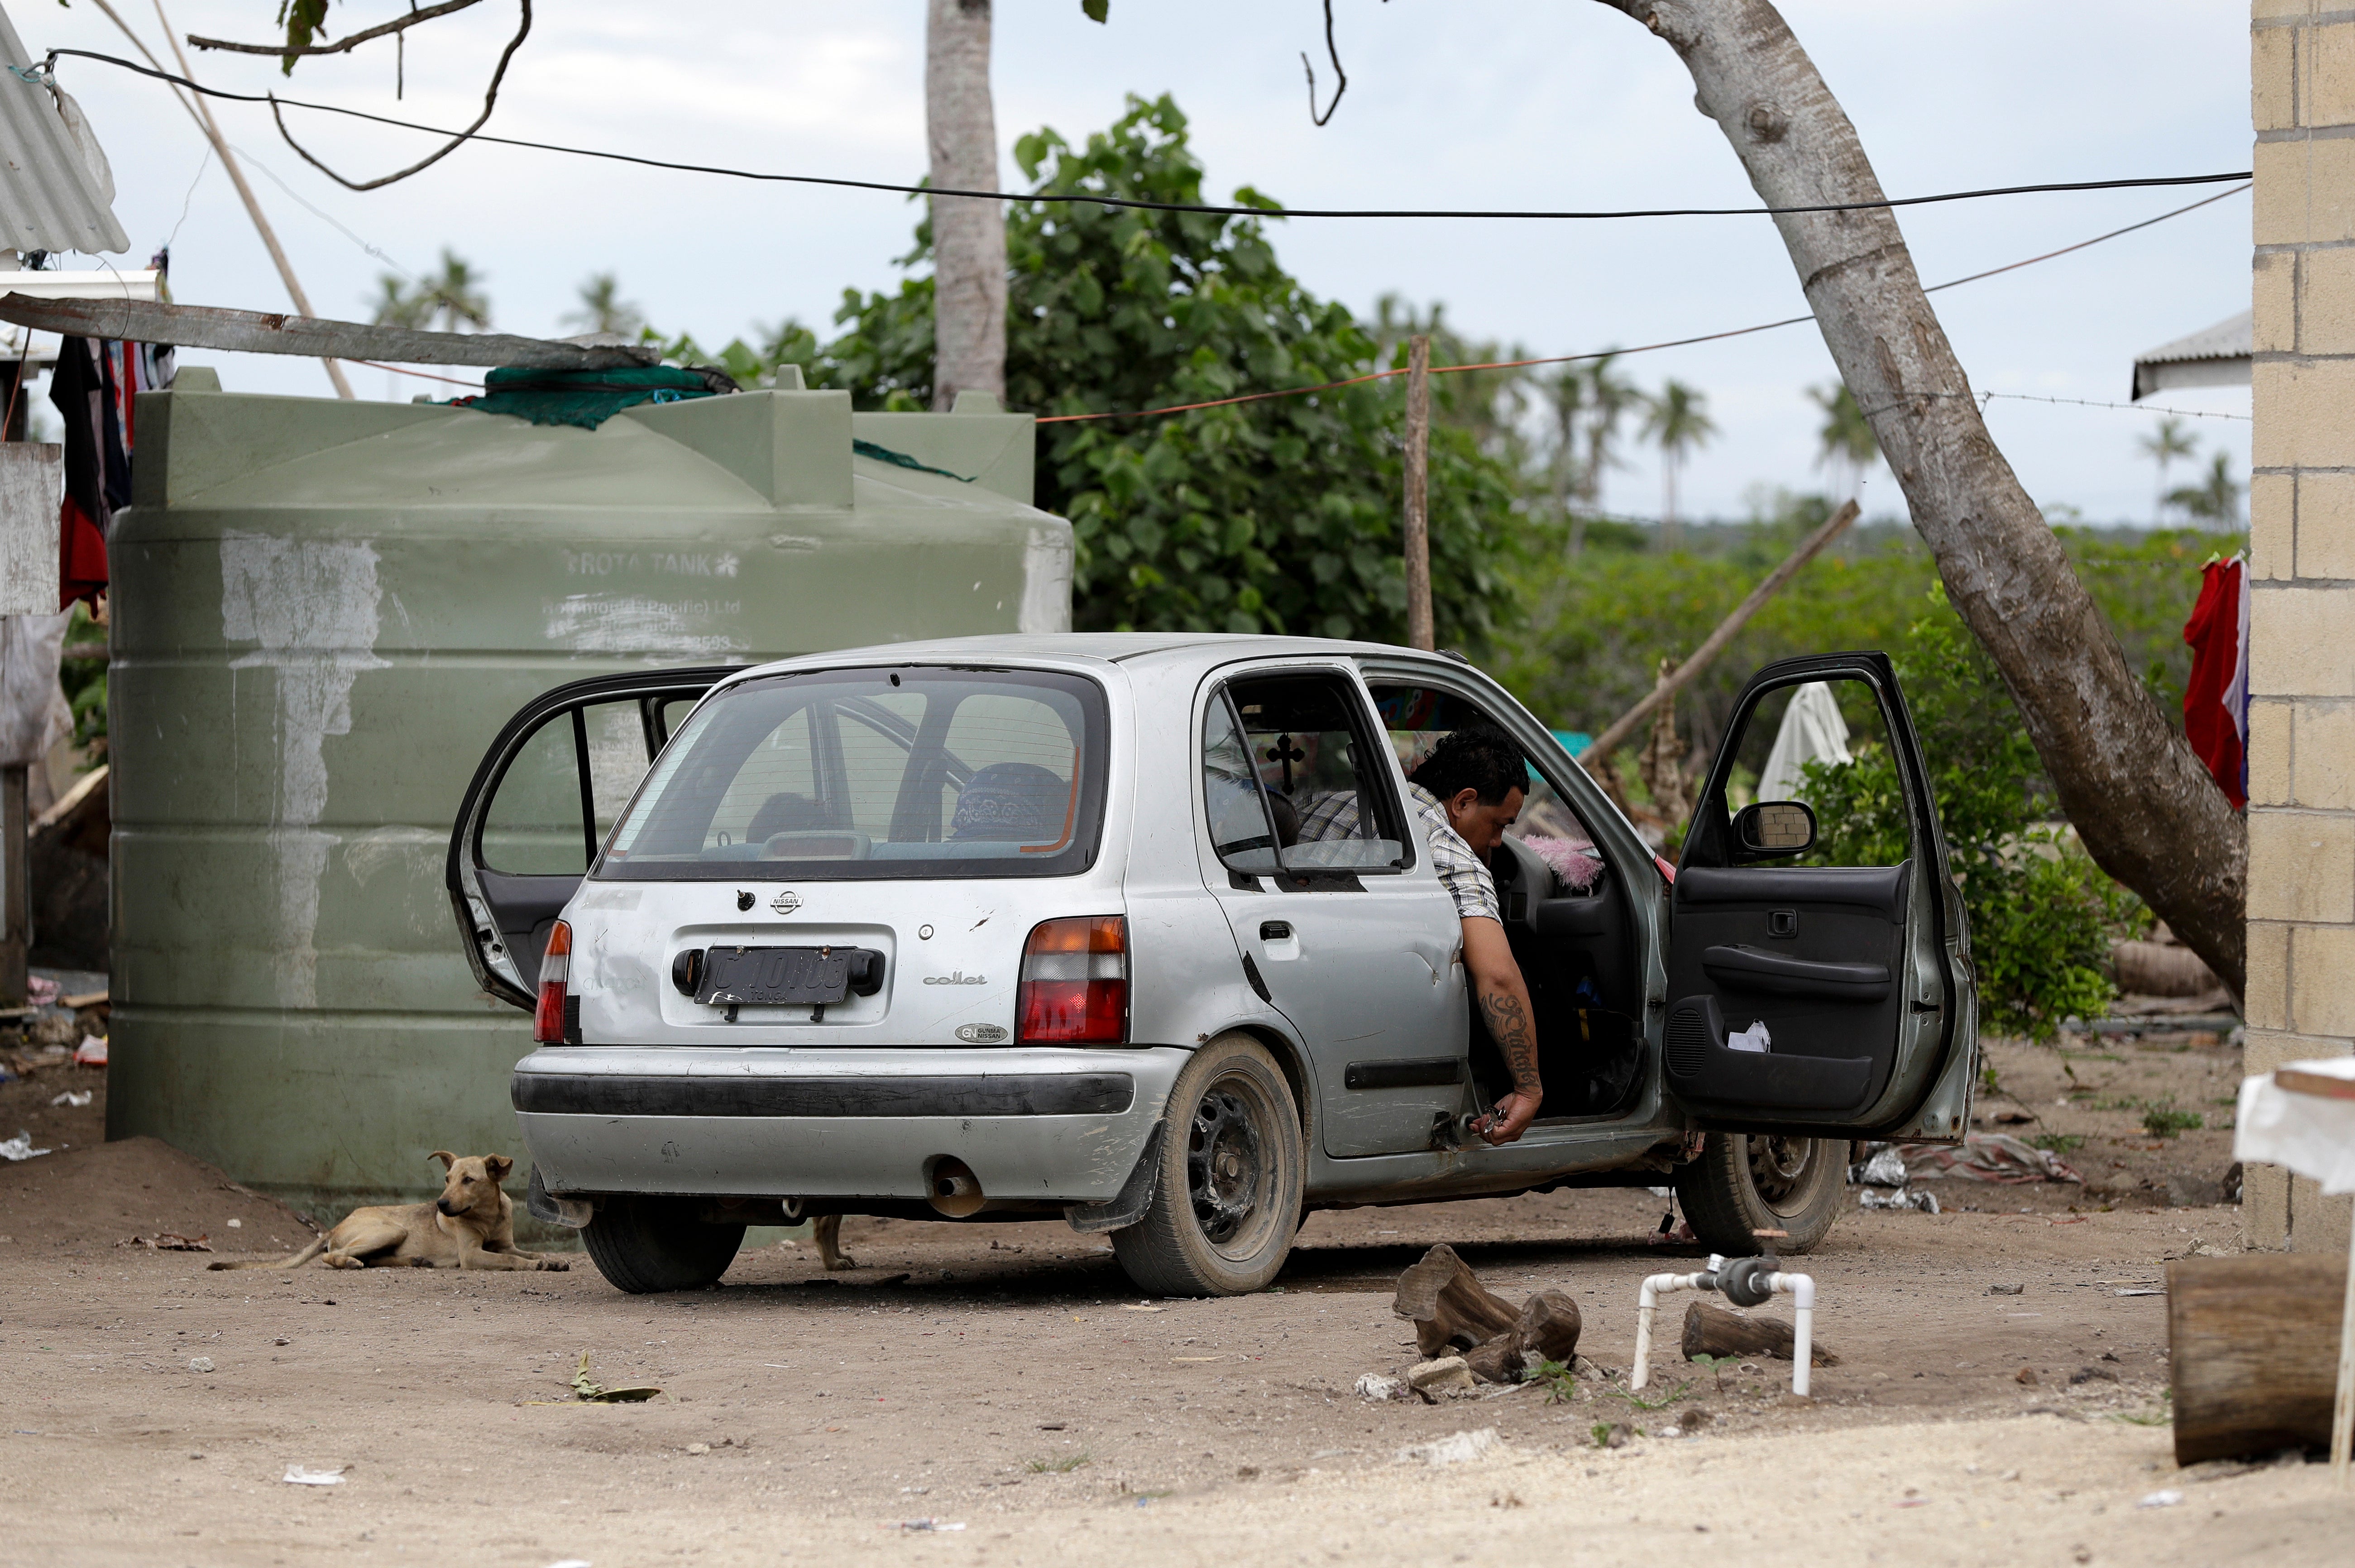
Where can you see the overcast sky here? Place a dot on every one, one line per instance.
(1484, 103)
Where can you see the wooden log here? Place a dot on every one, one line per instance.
(1714, 1331)
(2253, 1353)
(1449, 1305)
(1548, 1327)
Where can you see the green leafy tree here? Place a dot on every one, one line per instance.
(2043, 915)
(1280, 515)
(454, 298)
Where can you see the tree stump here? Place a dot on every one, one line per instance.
(2252, 1349)
(1449, 1305)
(1714, 1331)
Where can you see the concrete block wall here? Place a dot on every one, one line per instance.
(2301, 994)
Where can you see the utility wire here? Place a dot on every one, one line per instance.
(1083, 198)
(1643, 347)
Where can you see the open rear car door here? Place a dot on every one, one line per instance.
(1819, 979)
(548, 790)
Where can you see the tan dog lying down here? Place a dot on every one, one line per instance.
(471, 1225)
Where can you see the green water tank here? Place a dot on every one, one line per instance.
(323, 613)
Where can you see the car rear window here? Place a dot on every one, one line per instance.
(874, 774)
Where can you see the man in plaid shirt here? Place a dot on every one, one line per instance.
(1465, 794)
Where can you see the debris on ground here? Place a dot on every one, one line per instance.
(303, 1475)
(1986, 1156)
(589, 1391)
(2166, 1498)
(167, 1242)
(926, 1524)
(19, 1147)
(2006, 1289)
(1375, 1385)
(1452, 1310)
(75, 1098)
(1715, 1332)
(91, 1051)
(1456, 1448)
(201, 1363)
(1613, 1434)
(1883, 1168)
(1902, 1198)
(1443, 1374)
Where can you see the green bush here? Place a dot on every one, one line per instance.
(2043, 915)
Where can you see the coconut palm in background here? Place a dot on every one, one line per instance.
(2215, 501)
(2163, 445)
(602, 308)
(1677, 421)
(1846, 445)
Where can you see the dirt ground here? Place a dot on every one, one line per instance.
(1053, 1406)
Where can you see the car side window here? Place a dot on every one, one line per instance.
(1417, 718)
(1293, 781)
(591, 756)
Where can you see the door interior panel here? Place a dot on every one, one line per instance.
(526, 909)
(1818, 972)
(1800, 991)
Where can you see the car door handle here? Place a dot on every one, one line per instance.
(1276, 930)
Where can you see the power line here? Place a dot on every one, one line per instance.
(2131, 408)
(1087, 199)
(1645, 347)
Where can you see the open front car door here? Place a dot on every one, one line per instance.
(1819, 979)
(549, 789)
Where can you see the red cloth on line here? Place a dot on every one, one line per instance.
(2216, 699)
(82, 556)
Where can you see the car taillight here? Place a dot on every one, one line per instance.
(1074, 988)
(555, 970)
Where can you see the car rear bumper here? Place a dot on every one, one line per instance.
(1033, 1123)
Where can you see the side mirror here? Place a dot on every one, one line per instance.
(1775, 828)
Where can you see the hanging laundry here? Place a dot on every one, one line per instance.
(2216, 699)
(1811, 731)
(95, 388)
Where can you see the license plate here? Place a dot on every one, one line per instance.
(775, 976)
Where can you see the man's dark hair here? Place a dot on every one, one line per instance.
(1485, 760)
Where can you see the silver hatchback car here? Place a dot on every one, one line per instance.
(1025, 926)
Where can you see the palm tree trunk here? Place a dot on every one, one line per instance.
(2142, 804)
(969, 234)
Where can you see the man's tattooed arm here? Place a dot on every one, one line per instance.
(1508, 1026)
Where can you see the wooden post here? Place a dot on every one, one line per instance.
(16, 890)
(1608, 742)
(1419, 631)
(2252, 1347)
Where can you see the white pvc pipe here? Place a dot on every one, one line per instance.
(1646, 1299)
(1801, 1289)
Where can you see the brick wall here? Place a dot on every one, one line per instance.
(2301, 998)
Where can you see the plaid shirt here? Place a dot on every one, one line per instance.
(1461, 872)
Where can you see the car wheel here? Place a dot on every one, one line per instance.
(1747, 1182)
(645, 1244)
(1226, 1203)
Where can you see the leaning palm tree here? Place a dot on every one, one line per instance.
(1676, 422)
(603, 310)
(2170, 441)
(2215, 501)
(1845, 438)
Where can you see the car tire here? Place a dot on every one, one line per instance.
(644, 1245)
(1747, 1182)
(1226, 1200)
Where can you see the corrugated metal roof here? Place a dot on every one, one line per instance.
(2234, 337)
(54, 191)
(2218, 355)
